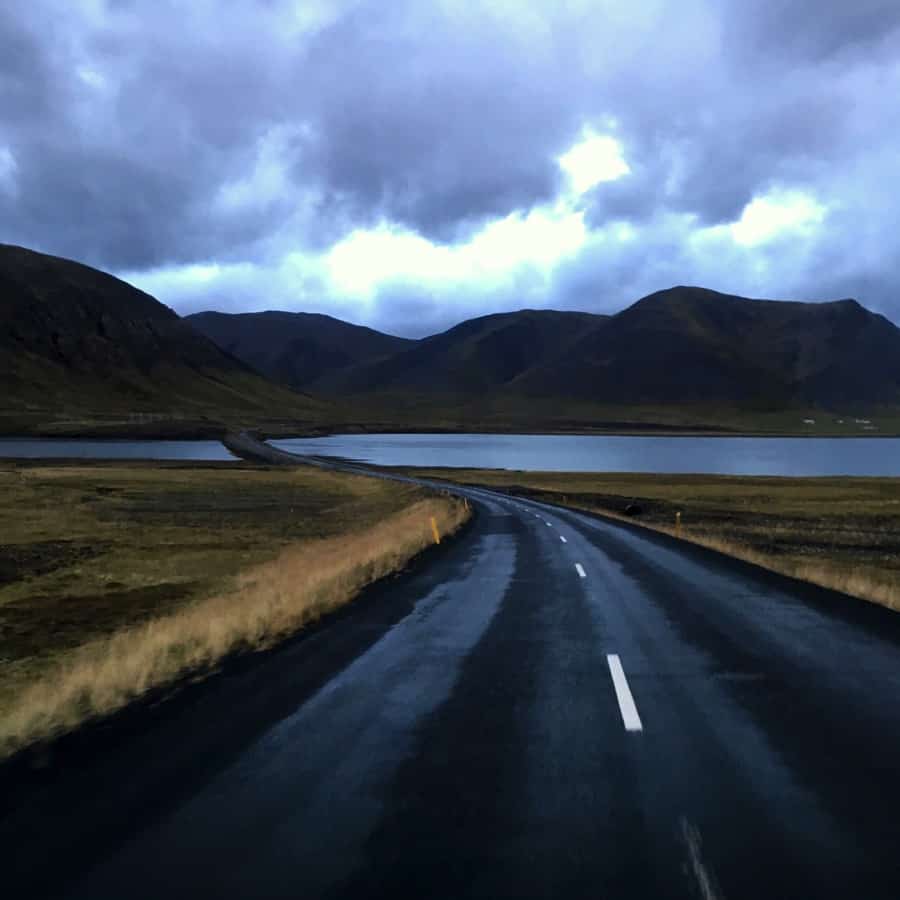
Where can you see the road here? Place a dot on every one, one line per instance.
(549, 706)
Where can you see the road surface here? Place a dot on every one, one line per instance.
(549, 706)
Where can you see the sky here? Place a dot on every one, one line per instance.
(407, 164)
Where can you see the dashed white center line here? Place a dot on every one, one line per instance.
(549, 523)
(563, 539)
(623, 694)
(580, 570)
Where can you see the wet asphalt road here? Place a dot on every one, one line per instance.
(458, 733)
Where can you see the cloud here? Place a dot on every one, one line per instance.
(594, 159)
(367, 259)
(828, 30)
(769, 217)
(411, 163)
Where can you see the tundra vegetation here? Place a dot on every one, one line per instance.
(120, 578)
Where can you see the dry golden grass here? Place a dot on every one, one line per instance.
(268, 603)
(89, 549)
(881, 588)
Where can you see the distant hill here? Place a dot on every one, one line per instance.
(78, 347)
(684, 356)
(478, 355)
(296, 349)
(693, 346)
(685, 346)
(76, 343)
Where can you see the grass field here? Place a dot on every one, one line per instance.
(515, 413)
(410, 413)
(842, 533)
(119, 577)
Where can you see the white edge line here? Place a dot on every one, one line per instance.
(563, 539)
(623, 694)
(579, 568)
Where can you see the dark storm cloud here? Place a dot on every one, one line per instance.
(25, 78)
(425, 121)
(795, 30)
(141, 136)
(734, 140)
(414, 116)
(123, 133)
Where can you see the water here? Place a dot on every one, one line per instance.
(595, 453)
(65, 448)
(530, 452)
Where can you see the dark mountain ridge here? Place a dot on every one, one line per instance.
(684, 347)
(295, 349)
(720, 347)
(78, 341)
(477, 355)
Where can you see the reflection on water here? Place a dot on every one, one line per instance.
(595, 453)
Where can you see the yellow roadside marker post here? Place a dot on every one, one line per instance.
(434, 529)
(678, 524)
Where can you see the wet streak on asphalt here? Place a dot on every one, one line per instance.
(300, 821)
(107, 785)
(509, 792)
(458, 735)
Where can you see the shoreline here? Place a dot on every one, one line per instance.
(219, 432)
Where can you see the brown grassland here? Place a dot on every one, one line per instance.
(118, 578)
(841, 533)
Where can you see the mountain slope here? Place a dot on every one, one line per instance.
(78, 345)
(296, 349)
(478, 355)
(75, 341)
(685, 355)
(690, 345)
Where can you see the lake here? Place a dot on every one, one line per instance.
(66, 448)
(535, 452)
(613, 453)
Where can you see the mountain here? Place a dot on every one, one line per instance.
(693, 346)
(478, 355)
(77, 343)
(296, 349)
(682, 356)
(83, 351)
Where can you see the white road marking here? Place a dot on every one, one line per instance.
(580, 570)
(563, 539)
(623, 694)
(549, 523)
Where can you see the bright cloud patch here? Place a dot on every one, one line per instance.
(367, 259)
(91, 77)
(595, 159)
(186, 284)
(7, 170)
(768, 217)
